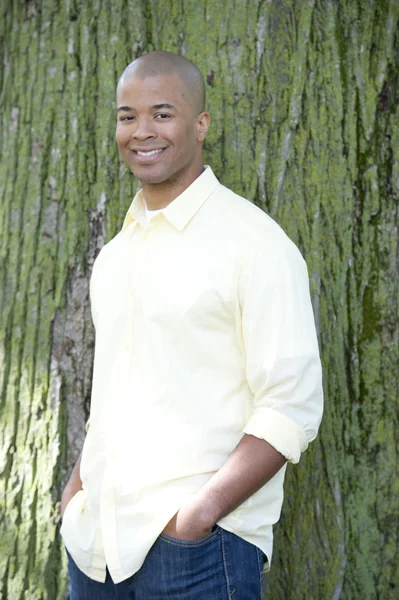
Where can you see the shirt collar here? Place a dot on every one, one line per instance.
(182, 209)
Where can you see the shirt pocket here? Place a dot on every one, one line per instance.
(209, 310)
(197, 301)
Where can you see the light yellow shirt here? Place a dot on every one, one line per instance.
(204, 331)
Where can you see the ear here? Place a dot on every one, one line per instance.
(203, 122)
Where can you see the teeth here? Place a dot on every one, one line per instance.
(149, 153)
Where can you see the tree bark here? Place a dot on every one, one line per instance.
(305, 123)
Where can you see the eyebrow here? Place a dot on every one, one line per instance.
(165, 105)
(155, 107)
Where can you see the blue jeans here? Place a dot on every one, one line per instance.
(221, 566)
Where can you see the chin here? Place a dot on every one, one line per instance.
(150, 178)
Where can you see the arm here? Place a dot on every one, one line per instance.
(284, 374)
(72, 487)
(249, 467)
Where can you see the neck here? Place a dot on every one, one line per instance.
(159, 195)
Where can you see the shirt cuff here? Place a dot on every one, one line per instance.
(279, 431)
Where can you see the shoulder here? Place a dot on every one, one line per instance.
(253, 230)
(107, 251)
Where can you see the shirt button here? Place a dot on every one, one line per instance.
(132, 291)
(127, 347)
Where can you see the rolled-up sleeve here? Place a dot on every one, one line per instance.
(283, 368)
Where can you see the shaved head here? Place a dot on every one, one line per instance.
(161, 123)
(165, 63)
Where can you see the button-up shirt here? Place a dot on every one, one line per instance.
(204, 332)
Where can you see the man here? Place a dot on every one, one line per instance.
(207, 376)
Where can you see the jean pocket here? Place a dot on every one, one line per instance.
(262, 560)
(190, 543)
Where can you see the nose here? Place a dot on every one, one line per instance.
(144, 130)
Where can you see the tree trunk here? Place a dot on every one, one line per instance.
(305, 123)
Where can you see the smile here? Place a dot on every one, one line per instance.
(146, 157)
(150, 153)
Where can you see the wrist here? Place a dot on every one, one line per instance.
(209, 509)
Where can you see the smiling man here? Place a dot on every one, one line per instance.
(207, 376)
(161, 142)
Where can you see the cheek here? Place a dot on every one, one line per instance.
(185, 141)
(122, 137)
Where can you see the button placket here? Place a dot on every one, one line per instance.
(141, 242)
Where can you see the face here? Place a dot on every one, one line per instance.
(158, 133)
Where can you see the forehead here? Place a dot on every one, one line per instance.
(155, 89)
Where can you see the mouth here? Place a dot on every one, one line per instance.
(147, 156)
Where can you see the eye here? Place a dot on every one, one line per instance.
(127, 118)
(162, 116)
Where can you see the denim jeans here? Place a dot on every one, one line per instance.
(221, 566)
